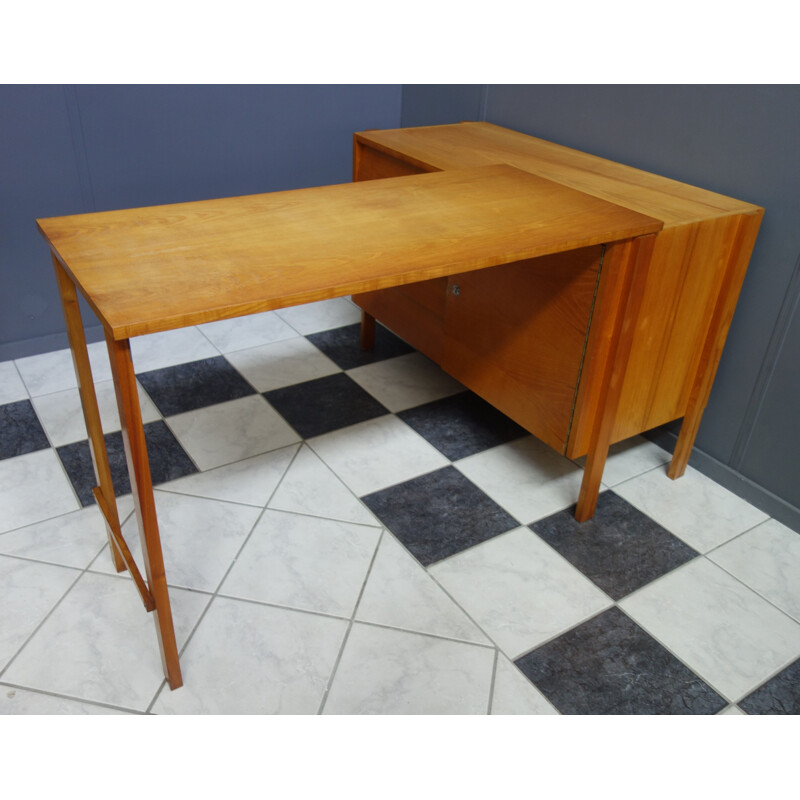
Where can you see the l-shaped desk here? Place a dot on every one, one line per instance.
(587, 300)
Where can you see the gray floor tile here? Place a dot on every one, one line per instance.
(609, 665)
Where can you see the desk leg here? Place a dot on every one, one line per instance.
(619, 298)
(91, 413)
(142, 488)
(367, 331)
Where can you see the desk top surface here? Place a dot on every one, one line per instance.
(473, 144)
(157, 268)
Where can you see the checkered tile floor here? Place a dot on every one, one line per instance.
(354, 533)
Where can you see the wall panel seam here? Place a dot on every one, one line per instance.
(772, 356)
(79, 147)
(484, 102)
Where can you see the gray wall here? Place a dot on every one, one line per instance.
(72, 149)
(738, 140)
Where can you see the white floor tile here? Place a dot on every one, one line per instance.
(22, 701)
(515, 694)
(62, 417)
(246, 658)
(100, 645)
(767, 559)
(401, 594)
(228, 432)
(54, 372)
(250, 481)
(310, 487)
(12, 389)
(321, 316)
(72, 540)
(375, 454)
(238, 333)
(33, 488)
(285, 363)
(303, 562)
(732, 711)
(406, 381)
(630, 458)
(724, 631)
(519, 590)
(693, 507)
(29, 592)
(199, 539)
(525, 477)
(385, 671)
(159, 350)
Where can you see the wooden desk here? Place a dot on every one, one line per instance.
(545, 375)
(156, 269)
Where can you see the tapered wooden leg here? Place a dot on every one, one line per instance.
(142, 487)
(625, 265)
(715, 340)
(91, 413)
(367, 331)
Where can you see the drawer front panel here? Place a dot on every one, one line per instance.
(515, 335)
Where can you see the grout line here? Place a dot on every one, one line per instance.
(351, 622)
(735, 537)
(755, 592)
(34, 560)
(490, 645)
(490, 702)
(81, 573)
(73, 698)
(216, 592)
(694, 671)
(265, 508)
(732, 700)
(766, 680)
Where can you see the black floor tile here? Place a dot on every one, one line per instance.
(20, 430)
(780, 695)
(168, 461)
(439, 514)
(609, 665)
(343, 346)
(194, 385)
(462, 425)
(324, 404)
(620, 548)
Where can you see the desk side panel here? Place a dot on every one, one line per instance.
(685, 282)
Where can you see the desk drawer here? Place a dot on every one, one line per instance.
(515, 335)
